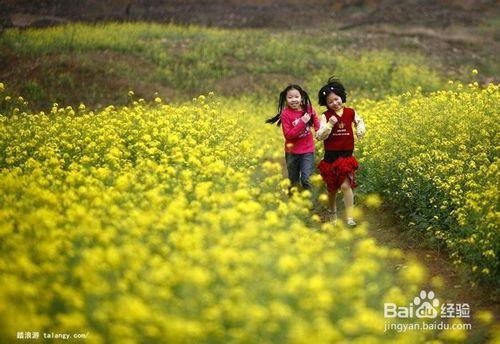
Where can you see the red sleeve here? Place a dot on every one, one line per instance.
(289, 130)
(315, 119)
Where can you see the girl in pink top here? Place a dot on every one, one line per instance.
(297, 117)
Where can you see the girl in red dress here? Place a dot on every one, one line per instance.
(336, 130)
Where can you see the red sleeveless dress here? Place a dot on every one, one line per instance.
(339, 145)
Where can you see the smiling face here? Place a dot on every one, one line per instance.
(333, 101)
(293, 99)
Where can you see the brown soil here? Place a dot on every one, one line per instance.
(256, 13)
(255, 83)
(94, 78)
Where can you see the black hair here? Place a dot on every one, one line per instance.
(333, 86)
(306, 104)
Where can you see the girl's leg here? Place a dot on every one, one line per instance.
(306, 169)
(332, 200)
(293, 167)
(348, 197)
(332, 205)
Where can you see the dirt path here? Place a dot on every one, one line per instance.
(388, 230)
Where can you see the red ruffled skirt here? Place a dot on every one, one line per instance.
(334, 173)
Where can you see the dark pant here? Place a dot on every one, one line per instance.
(331, 156)
(300, 167)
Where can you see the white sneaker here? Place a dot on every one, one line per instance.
(351, 222)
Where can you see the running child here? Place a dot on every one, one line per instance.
(298, 118)
(338, 166)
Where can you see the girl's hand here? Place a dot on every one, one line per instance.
(306, 117)
(360, 133)
(333, 120)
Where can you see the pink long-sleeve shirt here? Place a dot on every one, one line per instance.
(298, 135)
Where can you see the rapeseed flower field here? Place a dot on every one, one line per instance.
(155, 222)
(435, 157)
(170, 222)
